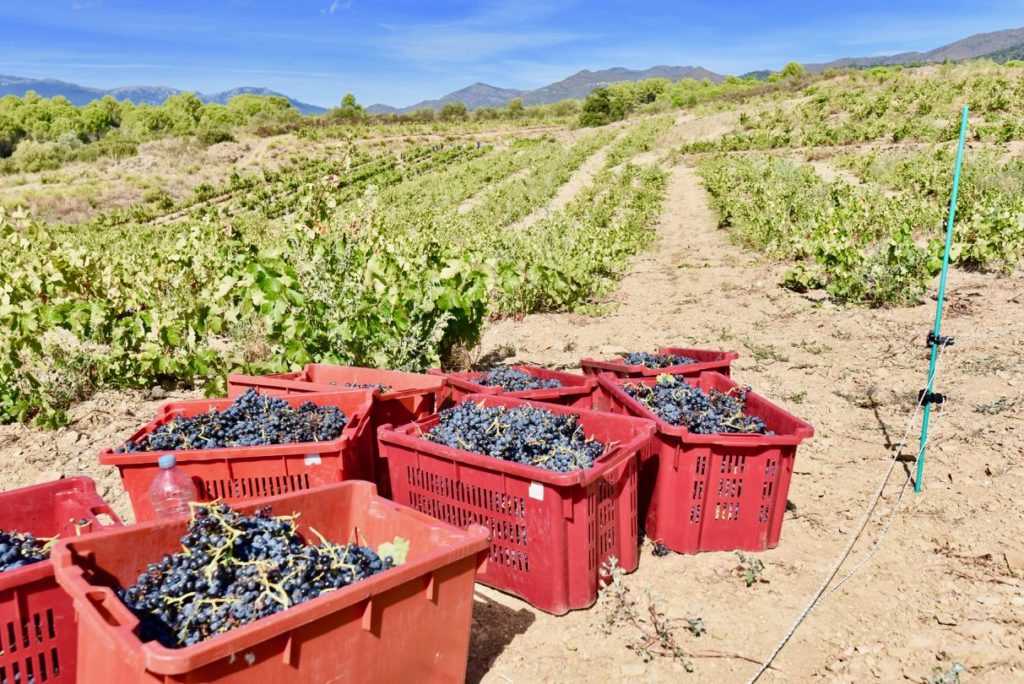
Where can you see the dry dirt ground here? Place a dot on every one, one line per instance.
(947, 583)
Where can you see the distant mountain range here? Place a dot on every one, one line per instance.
(574, 87)
(997, 45)
(988, 45)
(154, 95)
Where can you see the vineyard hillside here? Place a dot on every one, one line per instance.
(797, 220)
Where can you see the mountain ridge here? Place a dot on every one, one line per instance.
(575, 86)
(1001, 45)
(972, 47)
(80, 95)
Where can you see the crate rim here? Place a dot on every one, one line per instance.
(463, 380)
(165, 661)
(619, 363)
(164, 415)
(409, 436)
(613, 385)
(274, 381)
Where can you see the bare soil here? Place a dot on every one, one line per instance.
(947, 583)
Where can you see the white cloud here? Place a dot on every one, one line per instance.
(335, 6)
(498, 29)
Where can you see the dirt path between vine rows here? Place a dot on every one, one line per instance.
(580, 179)
(948, 582)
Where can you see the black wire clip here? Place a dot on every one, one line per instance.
(940, 340)
(924, 397)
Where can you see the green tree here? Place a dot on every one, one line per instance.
(601, 108)
(99, 116)
(565, 107)
(450, 111)
(793, 70)
(184, 112)
(10, 133)
(486, 113)
(515, 107)
(422, 114)
(349, 109)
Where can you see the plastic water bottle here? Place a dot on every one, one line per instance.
(172, 490)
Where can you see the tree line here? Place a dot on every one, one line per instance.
(38, 133)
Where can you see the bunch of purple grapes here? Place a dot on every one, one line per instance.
(513, 380)
(677, 402)
(521, 434)
(253, 419)
(656, 360)
(234, 569)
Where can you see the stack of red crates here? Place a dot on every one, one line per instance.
(38, 631)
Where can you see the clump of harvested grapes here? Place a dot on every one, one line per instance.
(656, 360)
(234, 569)
(514, 380)
(253, 419)
(677, 402)
(521, 434)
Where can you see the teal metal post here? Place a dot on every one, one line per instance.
(942, 297)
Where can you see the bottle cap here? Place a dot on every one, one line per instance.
(166, 461)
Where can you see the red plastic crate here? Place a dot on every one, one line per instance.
(707, 360)
(719, 492)
(38, 635)
(409, 623)
(550, 532)
(411, 397)
(239, 473)
(576, 391)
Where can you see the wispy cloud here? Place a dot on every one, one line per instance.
(498, 29)
(335, 6)
(43, 65)
(80, 5)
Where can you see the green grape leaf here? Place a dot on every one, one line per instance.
(397, 549)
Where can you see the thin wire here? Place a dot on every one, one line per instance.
(888, 523)
(899, 499)
(856, 536)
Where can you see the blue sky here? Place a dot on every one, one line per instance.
(402, 51)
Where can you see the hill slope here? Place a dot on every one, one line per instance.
(1006, 54)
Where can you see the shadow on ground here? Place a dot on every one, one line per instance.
(494, 627)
